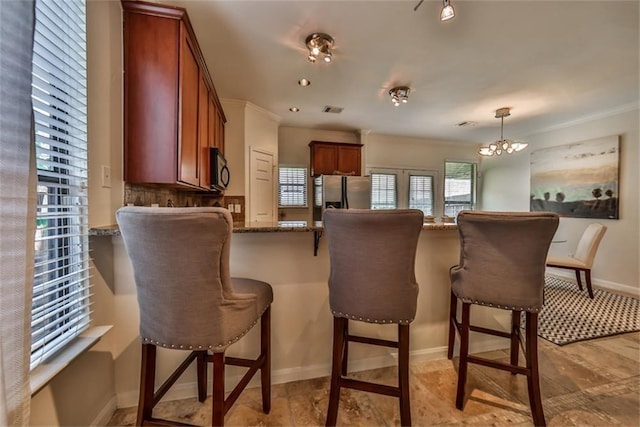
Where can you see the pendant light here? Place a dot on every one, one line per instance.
(502, 145)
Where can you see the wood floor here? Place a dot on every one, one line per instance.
(590, 383)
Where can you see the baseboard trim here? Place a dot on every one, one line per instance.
(106, 413)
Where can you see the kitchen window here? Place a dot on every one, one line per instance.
(292, 187)
(459, 187)
(401, 189)
(61, 288)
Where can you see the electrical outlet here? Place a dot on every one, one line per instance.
(237, 209)
(230, 207)
(106, 176)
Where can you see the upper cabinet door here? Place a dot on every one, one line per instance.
(349, 159)
(190, 88)
(203, 133)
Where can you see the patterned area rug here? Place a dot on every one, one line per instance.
(569, 315)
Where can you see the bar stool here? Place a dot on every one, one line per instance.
(502, 265)
(189, 302)
(372, 279)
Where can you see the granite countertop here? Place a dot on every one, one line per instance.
(270, 227)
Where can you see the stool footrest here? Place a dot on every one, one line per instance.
(369, 387)
(498, 365)
(373, 341)
(162, 390)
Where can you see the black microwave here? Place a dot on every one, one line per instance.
(219, 170)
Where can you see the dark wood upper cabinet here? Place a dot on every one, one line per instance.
(172, 114)
(335, 158)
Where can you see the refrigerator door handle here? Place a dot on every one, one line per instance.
(345, 199)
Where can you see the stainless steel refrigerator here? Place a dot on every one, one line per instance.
(340, 192)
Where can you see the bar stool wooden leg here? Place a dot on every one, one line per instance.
(147, 381)
(265, 369)
(403, 374)
(336, 365)
(345, 348)
(464, 353)
(202, 375)
(218, 390)
(515, 341)
(533, 379)
(453, 308)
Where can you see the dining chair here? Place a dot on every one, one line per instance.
(372, 279)
(502, 265)
(582, 261)
(188, 301)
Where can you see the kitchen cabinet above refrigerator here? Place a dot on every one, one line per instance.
(335, 158)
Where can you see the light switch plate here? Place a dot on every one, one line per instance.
(106, 176)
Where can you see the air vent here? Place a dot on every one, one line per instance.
(330, 109)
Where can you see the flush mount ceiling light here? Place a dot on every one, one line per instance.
(447, 11)
(503, 145)
(320, 45)
(399, 95)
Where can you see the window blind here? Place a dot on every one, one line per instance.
(421, 193)
(61, 289)
(459, 187)
(292, 187)
(383, 191)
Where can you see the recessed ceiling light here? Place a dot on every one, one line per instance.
(294, 109)
(304, 82)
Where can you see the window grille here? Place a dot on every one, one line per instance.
(421, 193)
(459, 187)
(292, 187)
(384, 191)
(61, 297)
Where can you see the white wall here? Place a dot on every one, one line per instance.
(506, 187)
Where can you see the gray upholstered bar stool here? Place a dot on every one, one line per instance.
(502, 265)
(188, 301)
(372, 280)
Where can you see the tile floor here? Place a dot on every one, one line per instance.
(590, 383)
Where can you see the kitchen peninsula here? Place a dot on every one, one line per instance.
(281, 254)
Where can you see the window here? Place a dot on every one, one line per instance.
(292, 187)
(383, 191)
(421, 193)
(401, 189)
(459, 187)
(60, 309)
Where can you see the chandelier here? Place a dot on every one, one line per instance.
(319, 45)
(399, 95)
(502, 145)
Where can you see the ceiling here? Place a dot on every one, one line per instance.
(552, 62)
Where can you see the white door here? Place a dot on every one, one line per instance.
(262, 186)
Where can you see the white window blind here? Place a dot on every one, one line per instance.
(292, 187)
(459, 187)
(421, 193)
(61, 294)
(384, 191)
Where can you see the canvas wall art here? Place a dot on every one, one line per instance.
(577, 180)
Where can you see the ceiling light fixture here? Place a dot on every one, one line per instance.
(304, 82)
(503, 145)
(320, 45)
(294, 109)
(399, 95)
(447, 11)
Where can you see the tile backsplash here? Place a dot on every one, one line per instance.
(143, 195)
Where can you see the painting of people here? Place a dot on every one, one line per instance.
(577, 180)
